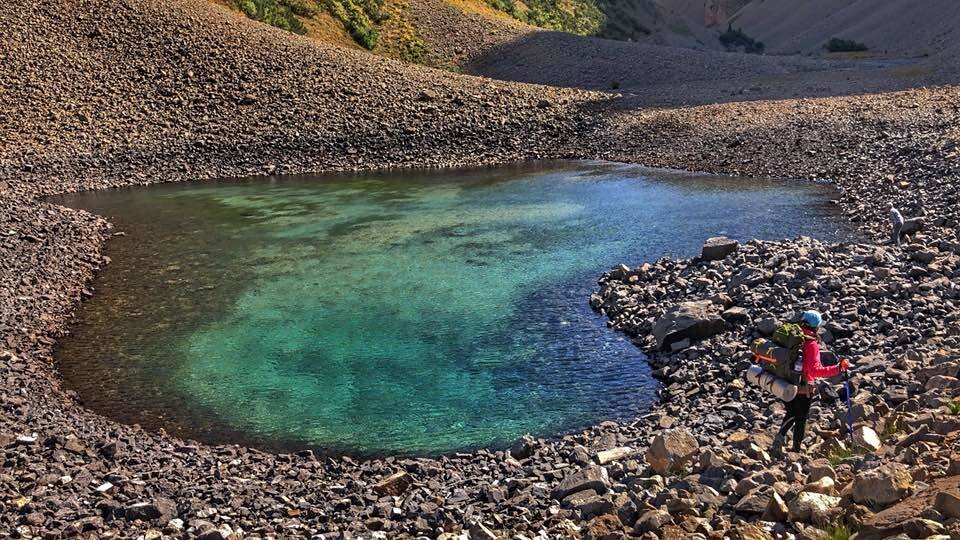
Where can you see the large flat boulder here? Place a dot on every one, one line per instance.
(689, 320)
(672, 450)
(593, 477)
(882, 486)
(891, 521)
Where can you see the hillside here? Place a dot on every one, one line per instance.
(891, 27)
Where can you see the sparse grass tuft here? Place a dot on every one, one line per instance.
(954, 407)
(839, 454)
(891, 430)
(838, 532)
(844, 45)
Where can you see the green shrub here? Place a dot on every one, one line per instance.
(280, 13)
(583, 17)
(359, 17)
(844, 45)
(734, 39)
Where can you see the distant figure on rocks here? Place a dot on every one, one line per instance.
(813, 369)
(896, 222)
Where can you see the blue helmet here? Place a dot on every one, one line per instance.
(812, 318)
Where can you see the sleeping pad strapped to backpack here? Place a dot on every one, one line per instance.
(782, 355)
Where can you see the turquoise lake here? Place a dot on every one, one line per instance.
(404, 313)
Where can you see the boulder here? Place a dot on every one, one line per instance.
(767, 325)
(736, 314)
(688, 320)
(614, 454)
(942, 382)
(948, 504)
(605, 527)
(594, 505)
(652, 520)
(922, 528)
(718, 247)
(865, 437)
(882, 486)
(755, 502)
(814, 508)
(912, 225)
(593, 477)
(777, 510)
(821, 468)
(749, 531)
(671, 450)
(395, 484)
(824, 485)
(523, 448)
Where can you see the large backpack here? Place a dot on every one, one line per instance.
(783, 354)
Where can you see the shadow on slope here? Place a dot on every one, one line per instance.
(654, 75)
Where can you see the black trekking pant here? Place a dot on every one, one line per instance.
(796, 418)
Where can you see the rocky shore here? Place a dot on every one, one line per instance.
(99, 95)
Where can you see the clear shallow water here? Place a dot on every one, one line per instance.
(413, 313)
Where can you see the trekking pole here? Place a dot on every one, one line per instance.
(846, 389)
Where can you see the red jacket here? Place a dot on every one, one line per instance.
(812, 368)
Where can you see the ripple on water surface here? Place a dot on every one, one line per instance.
(402, 313)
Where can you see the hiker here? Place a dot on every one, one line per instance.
(799, 407)
(896, 222)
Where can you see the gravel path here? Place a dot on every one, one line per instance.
(120, 92)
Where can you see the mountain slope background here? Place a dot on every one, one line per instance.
(891, 28)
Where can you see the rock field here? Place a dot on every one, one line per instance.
(120, 92)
